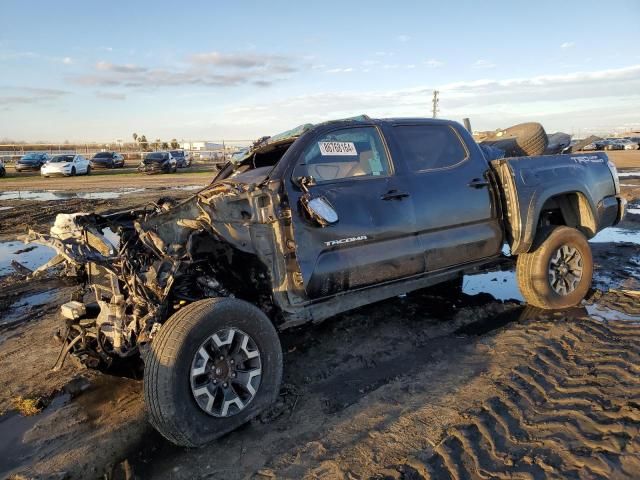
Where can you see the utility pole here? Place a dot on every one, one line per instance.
(435, 102)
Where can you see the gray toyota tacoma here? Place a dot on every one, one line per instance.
(300, 227)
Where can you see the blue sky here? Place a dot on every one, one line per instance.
(240, 70)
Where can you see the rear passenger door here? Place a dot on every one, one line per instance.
(456, 214)
(372, 241)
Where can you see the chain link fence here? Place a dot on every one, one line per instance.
(204, 152)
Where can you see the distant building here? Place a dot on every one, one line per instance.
(201, 146)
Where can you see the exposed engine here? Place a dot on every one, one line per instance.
(137, 268)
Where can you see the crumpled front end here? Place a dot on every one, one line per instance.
(138, 268)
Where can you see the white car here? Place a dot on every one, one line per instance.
(67, 165)
(629, 144)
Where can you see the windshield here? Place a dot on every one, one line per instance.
(32, 156)
(155, 156)
(61, 159)
(103, 155)
(177, 153)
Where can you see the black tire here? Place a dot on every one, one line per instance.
(73, 171)
(520, 140)
(3, 172)
(533, 269)
(88, 170)
(171, 405)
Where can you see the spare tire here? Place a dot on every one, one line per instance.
(520, 140)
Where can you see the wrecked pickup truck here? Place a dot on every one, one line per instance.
(305, 225)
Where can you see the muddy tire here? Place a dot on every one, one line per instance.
(520, 140)
(557, 273)
(188, 371)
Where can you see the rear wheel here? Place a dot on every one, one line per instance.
(558, 273)
(212, 367)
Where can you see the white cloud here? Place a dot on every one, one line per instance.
(433, 63)
(340, 70)
(403, 38)
(560, 101)
(568, 45)
(482, 63)
(67, 60)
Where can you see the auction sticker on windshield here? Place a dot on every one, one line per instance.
(337, 148)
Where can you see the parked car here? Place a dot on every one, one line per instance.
(3, 170)
(614, 145)
(183, 159)
(309, 224)
(629, 144)
(32, 161)
(107, 160)
(158, 162)
(67, 165)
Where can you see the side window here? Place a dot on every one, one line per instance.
(352, 152)
(429, 147)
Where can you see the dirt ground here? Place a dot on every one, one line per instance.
(432, 385)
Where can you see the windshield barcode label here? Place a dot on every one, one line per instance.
(337, 148)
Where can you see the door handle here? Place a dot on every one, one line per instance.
(478, 183)
(394, 195)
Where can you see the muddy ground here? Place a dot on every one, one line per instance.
(433, 385)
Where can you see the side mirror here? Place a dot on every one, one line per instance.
(304, 181)
(319, 209)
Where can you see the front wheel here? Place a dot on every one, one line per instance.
(73, 171)
(558, 272)
(212, 367)
(88, 170)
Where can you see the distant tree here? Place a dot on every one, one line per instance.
(135, 137)
(142, 140)
(165, 146)
(174, 143)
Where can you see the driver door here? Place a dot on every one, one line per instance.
(373, 239)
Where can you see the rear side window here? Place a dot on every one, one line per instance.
(352, 152)
(429, 147)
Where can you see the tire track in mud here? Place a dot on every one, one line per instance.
(570, 408)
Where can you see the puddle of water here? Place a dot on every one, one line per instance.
(48, 195)
(189, 187)
(31, 256)
(5, 208)
(501, 285)
(635, 211)
(13, 450)
(633, 173)
(22, 307)
(108, 195)
(617, 235)
(605, 313)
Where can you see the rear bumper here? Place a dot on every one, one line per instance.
(27, 168)
(102, 165)
(622, 209)
(611, 211)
